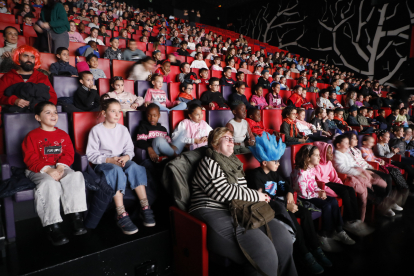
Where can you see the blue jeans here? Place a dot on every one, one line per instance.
(180, 106)
(162, 147)
(117, 177)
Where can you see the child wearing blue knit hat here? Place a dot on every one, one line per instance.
(267, 180)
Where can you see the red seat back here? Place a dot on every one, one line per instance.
(105, 65)
(174, 72)
(46, 59)
(272, 118)
(82, 124)
(121, 68)
(251, 79)
(285, 94)
(74, 46)
(311, 97)
(171, 49)
(28, 31)
(248, 160)
(216, 74)
(8, 18)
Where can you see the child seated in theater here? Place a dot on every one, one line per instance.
(212, 97)
(353, 120)
(324, 101)
(309, 130)
(360, 101)
(48, 154)
(186, 95)
(186, 76)
(401, 118)
(398, 142)
(93, 63)
(226, 80)
(129, 101)
(62, 66)
(153, 137)
(111, 149)
(196, 129)
(243, 136)
(204, 75)
(199, 62)
(254, 119)
(86, 98)
(273, 98)
(334, 101)
(238, 95)
(330, 115)
(159, 97)
(217, 64)
(258, 99)
(164, 70)
(289, 128)
(263, 81)
(183, 49)
(320, 121)
(339, 120)
(325, 172)
(298, 99)
(27, 20)
(266, 179)
(313, 88)
(88, 49)
(240, 78)
(304, 183)
(113, 52)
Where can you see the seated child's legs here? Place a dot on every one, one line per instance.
(162, 147)
(180, 106)
(162, 108)
(136, 174)
(331, 214)
(240, 149)
(48, 194)
(115, 176)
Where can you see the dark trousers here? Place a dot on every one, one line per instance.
(407, 160)
(306, 238)
(271, 257)
(407, 167)
(314, 137)
(379, 191)
(331, 214)
(349, 200)
(367, 130)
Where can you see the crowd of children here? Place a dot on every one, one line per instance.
(334, 163)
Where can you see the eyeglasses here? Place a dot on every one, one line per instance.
(190, 88)
(228, 139)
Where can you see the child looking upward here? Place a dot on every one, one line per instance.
(128, 101)
(196, 129)
(242, 133)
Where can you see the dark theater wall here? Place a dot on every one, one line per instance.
(355, 35)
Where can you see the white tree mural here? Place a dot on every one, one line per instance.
(370, 45)
(262, 26)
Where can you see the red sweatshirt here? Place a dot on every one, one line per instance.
(47, 148)
(13, 77)
(257, 127)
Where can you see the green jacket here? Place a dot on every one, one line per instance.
(59, 20)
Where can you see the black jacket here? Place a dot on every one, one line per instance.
(209, 97)
(285, 129)
(62, 68)
(390, 119)
(29, 91)
(100, 194)
(86, 100)
(144, 130)
(264, 83)
(324, 125)
(227, 82)
(182, 52)
(237, 97)
(352, 121)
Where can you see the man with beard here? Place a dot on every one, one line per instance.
(28, 60)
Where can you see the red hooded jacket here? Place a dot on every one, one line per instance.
(13, 77)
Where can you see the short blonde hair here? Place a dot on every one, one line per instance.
(216, 134)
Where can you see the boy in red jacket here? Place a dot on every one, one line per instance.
(254, 119)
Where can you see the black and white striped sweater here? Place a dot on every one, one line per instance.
(210, 188)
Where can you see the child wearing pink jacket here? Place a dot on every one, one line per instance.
(258, 98)
(326, 173)
(159, 97)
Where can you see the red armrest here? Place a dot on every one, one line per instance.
(374, 164)
(397, 157)
(295, 197)
(407, 154)
(342, 176)
(321, 185)
(387, 160)
(189, 238)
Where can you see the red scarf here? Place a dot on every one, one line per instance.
(185, 96)
(292, 126)
(341, 120)
(297, 100)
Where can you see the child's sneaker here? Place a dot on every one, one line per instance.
(321, 258)
(148, 217)
(343, 237)
(126, 225)
(311, 264)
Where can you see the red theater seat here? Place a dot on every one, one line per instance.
(46, 59)
(272, 118)
(249, 162)
(74, 46)
(174, 72)
(8, 18)
(82, 124)
(121, 68)
(251, 80)
(216, 74)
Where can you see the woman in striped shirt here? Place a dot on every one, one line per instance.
(218, 180)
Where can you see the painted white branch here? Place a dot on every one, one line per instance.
(398, 54)
(322, 49)
(356, 45)
(405, 36)
(398, 31)
(400, 62)
(398, 44)
(410, 12)
(392, 15)
(369, 38)
(349, 6)
(286, 23)
(383, 51)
